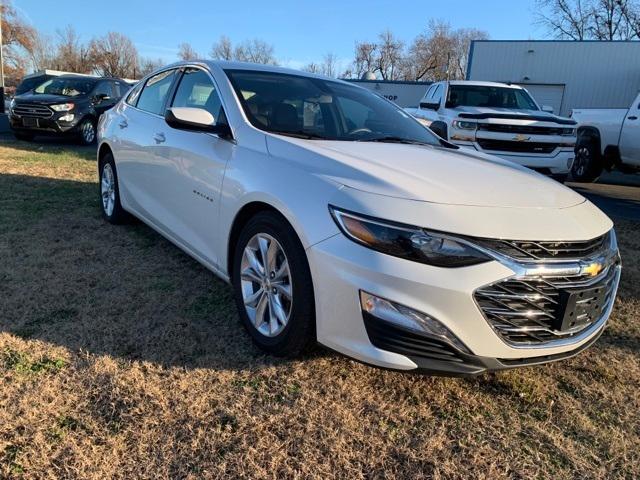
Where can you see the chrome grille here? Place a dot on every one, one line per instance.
(536, 310)
(34, 111)
(528, 250)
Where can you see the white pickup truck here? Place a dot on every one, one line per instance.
(607, 138)
(502, 120)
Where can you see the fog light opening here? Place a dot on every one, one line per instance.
(408, 318)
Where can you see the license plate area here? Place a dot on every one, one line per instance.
(581, 307)
(30, 122)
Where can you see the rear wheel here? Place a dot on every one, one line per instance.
(273, 288)
(587, 165)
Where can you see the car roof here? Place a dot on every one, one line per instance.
(86, 77)
(484, 84)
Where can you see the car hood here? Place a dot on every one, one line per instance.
(428, 174)
(507, 113)
(45, 99)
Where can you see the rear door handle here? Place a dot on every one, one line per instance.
(123, 124)
(159, 137)
(633, 118)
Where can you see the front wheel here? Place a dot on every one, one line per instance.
(273, 288)
(587, 165)
(87, 132)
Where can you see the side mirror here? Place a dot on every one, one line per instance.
(430, 106)
(101, 97)
(196, 120)
(547, 108)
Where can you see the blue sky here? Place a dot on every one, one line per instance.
(301, 31)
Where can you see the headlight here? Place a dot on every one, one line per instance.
(569, 132)
(12, 104)
(404, 241)
(62, 107)
(463, 125)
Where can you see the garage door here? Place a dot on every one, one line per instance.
(547, 95)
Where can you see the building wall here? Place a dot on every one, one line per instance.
(405, 94)
(589, 74)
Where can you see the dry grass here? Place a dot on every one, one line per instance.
(120, 357)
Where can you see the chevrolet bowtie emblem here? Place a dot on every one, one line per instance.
(592, 269)
(521, 138)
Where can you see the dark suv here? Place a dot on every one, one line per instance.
(66, 105)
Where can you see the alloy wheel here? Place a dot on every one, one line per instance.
(108, 189)
(583, 156)
(266, 284)
(88, 132)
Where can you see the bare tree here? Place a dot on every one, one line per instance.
(42, 53)
(329, 66)
(148, 65)
(255, 51)
(114, 55)
(590, 19)
(71, 53)
(390, 55)
(17, 41)
(187, 52)
(312, 68)
(222, 49)
(365, 58)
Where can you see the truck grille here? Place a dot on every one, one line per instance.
(527, 250)
(34, 111)
(543, 309)
(525, 129)
(513, 146)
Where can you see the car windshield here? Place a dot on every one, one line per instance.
(489, 97)
(28, 84)
(314, 108)
(69, 87)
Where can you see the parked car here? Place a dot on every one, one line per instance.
(338, 218)
(502, 120)
(607, 139)
(65, 105)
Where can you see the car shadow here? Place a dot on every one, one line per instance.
(69, 278)
(44, 144)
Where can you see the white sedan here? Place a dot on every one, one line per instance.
(339, 219)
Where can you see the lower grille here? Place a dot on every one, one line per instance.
(395, 339)
(34, 111)
(544, 309)
(519, 147)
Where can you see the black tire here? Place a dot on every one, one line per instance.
(587, 165)
(25, 137)
(118, 215)
(299, 334)
(87, 132)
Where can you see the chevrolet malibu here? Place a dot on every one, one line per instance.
(339, 219)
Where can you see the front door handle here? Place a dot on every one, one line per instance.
(633, 118)
(159, 137)
(123, 124)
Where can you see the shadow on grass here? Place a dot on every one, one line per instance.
(69, 278)
(50, 144)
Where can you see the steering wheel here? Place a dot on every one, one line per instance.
(360, 130)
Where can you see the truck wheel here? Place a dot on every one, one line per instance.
(587, 166)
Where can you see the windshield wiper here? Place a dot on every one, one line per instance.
(299, 134)
(393, 139)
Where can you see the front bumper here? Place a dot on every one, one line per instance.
(557, 163)
(44, 126)
(341, 269)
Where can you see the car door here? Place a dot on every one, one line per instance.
(630, 135)
(199, 160)
(147, 177)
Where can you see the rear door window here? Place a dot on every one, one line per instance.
(154, 94)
